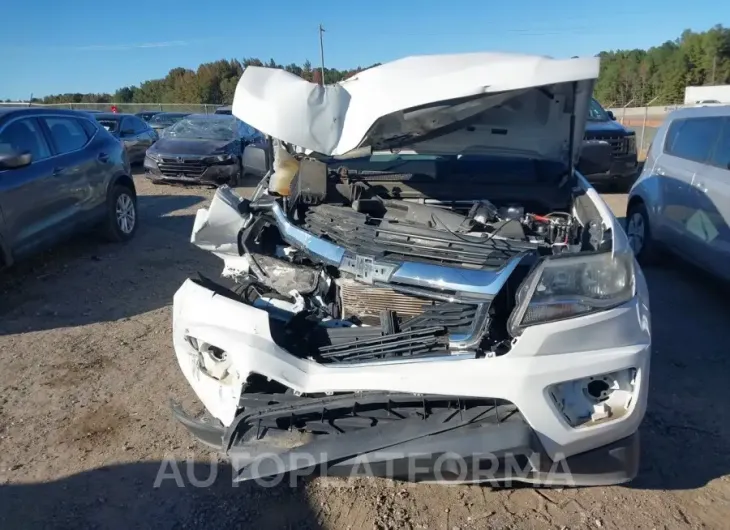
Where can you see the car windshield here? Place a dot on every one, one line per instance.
(165, 119)
(596, 112)
(213, 127)
(109, 124)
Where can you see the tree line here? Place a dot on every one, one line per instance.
(660, 74)
(634, 77)
(211, 83)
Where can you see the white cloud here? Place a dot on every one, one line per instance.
(123, 47)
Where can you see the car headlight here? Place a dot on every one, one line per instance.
(153, 156)
(563, 287)
(631, 144)
(219, 159)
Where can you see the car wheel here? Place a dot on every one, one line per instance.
(639, 232)
(122, 217)
(235, 179)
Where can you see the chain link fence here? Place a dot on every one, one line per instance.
(130, 108)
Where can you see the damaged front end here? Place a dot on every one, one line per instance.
(380, 309)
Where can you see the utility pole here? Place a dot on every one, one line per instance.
(714, 66)
(321, 51)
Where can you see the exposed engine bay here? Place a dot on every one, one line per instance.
(370, 262)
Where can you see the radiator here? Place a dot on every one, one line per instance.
(362, 300)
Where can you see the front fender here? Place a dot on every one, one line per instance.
(6, 257)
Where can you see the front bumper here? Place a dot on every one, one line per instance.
(490, 452)
(622, 168)
(213, 174)
(611, 341)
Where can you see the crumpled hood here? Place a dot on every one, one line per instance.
(452, 104)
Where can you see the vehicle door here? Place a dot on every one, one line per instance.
(77, 166)
(713, 185)
(102, 151)
(29, 201)
(686, 149)
(131, 139)
(145, 134)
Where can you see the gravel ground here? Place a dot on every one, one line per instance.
(87, 368)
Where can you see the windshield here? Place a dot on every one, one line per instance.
(166, 119)
(109, 125)
(596, 112)
(213, 127)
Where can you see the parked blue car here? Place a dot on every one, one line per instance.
(60, 173)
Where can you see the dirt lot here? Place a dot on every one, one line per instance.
(87, 368)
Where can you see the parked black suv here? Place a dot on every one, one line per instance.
(60, 173)
(602, 125)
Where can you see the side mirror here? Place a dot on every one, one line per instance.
(254, 160)
(596, 157)
(15, 160)
(610, 115)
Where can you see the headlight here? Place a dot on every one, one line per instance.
(631, 146)
(564, 287)
(219, 159)
(153, 156)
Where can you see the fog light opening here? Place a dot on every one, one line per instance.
(599, 390)
(216, 353)
(212, 360)
(596, 399)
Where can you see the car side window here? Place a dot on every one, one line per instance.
(25, 136)
(138, 125)
(693, 138)
(721, 156)
(88, 127)
(126, 125)
(67, 133)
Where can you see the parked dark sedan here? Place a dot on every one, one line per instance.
(135, 134)
(201, 148)
(60, 173)
(146, 115)
(163, 120)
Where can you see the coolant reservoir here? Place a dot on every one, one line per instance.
(285, 168)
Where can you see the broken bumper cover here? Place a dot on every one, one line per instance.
(524, 422)
(469, 445)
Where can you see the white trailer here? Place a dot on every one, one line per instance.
(706, 94)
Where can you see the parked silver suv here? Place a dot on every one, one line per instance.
(681, 201)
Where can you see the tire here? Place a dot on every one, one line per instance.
(121, 213)
(639, 232)
(627, 182)
(236, 179)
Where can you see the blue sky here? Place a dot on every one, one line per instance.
(52, 46)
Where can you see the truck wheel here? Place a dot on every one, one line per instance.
(122, 216)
